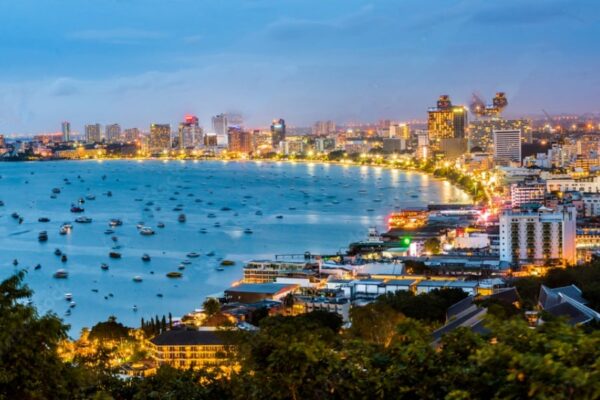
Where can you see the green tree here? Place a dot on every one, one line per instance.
(211, 306)
(433, 246)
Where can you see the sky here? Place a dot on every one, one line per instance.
(135, 62)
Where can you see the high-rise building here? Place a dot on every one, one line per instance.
(131, 134)
(92, 133)
(190, 133)
(66, 131)
(239, 140)
(262, 141)
(446, 121)
(481, 131)
(527, 192)
(277, 132)
(538, 237)
(323, 128)
(220, 124)
(112, 133)
(507, 146)
(399, 131)
(160, 137)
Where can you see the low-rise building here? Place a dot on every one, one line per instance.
(254, 292)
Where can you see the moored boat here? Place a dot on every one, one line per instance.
(61, 274)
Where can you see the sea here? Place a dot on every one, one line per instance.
(290, 208)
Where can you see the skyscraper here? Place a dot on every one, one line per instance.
(160, 137)
(507, 146)
(190, 133)
(277, 132)
(92, 133)
(399, 131)
(219, 124)
(446, 121)
(112, 133)
(239, 141)
(66, 131)
(323, 128)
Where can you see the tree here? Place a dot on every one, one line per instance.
(374, 323)
(211, 306)
(433, 246)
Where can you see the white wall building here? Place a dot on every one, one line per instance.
(590, 184)
(527, 192)
(507, 145)
(538, 237)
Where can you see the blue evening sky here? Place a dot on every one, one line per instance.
(141, 61)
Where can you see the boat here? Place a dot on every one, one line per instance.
(137, 278)
(174, 274)
(259, 212)
(15, 215)
(135, 308)
(109, 193)
(68, 296)
(160, 225)
(211, 215)
(115, 222)
(114, 254)
(58, 252)
(90, 197)
(210, 253)
(64, 229)
(43, 219)
(181, 218)
(83, 220)
(104, 267)
(217, 225)
(114, 239)
(77, 209)
(159, 295)
(63, 258)
(193, 255)
(186, 262)
(225, 209)
(81, 200)
(72, 304)
(43, 236)
(53, 196)
(227, 263)
(248, 231)
(145, 257)
(15, 262)
(203, 230)
(220, 269)
(181, 267)
(279, 217)
(39, 266)
(146, 231)
(56, 190)
(61, 274)
(109, 232)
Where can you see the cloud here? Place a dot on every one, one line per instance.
(117, 35)
(64, 87)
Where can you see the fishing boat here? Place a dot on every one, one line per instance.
(279, 217)
(83, 220)
(39, 266)
(174, 274)
(137, 278)
(114, 254)
(90, 197)
(211, 215)
(61, 274)
(63, 258)
(68, 296)
(43, 219)
(145, 257)
(43, 236)
(77, 209)
(58, 252)
(220, 269)
(15, 215)
(248, 231)
(160, 225)
(181, 218)
(259, 212)
(193, 255)
(56, 190)
(227, 263)
(115, 222)
(104, 267)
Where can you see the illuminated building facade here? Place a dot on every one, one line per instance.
(131, 134)
(323, 128)
(447, 121)
(190, 134)
(400, 131)
(481, 131)
(112, 133)
(92, 133)
(66, 131)
(262, 141)
(239, 140)
(220, 124)
(277, 132)
(160, 137)
(188, 348)
(540, 237)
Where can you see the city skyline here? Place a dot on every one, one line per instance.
(263, 59)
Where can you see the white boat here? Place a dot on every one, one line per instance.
(68, 296)
(193, 255)
(61, 274)
(83, 220)
(146, 231)
(137, 278)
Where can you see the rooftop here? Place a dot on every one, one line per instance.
(187, 337)
(265, 288)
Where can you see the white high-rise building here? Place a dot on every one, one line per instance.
(507, 145)
(538, 237)
(220, 124)
(93, 133)
(66, 131)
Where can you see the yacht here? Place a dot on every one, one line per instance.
(61, 274)
(137, 278)
(146, 231)
(43, 236)
(72, 304)
(68, 296)
(115, 222)
(76, 209)
(83, 220)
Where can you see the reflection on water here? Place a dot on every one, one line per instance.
(323, 207)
